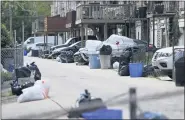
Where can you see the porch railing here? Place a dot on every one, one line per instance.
(105, 11)
(165, 7)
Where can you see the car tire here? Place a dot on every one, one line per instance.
(170, 76)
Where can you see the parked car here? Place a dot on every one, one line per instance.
(163, 59)
(41, 46)
(66, 54)
(58, 51)
(119, 43)
(39, 39)
(71, 41)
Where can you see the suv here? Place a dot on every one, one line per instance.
(163, 59)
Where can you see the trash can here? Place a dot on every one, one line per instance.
(25, 52)
(94, 61)
(35, 53)
(11, 68)
(103, 114)
(136, 69)
(105, 61)
(179, 72)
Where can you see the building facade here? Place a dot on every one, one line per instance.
(158, 27)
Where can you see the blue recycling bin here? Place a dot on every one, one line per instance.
(25, 52)
(11, 68)
(136, 69)
(94, 61)
(103, 114)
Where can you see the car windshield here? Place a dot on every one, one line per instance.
(68, 40)
(76, 44)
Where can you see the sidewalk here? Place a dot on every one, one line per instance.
(33, 110)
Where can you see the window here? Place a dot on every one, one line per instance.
(31, 41)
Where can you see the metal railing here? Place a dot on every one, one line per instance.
(111, 11)
(168, 6)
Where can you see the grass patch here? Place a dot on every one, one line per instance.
(6, 94)
(6, 76)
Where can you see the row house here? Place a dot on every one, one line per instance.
(144, 20)
(166, 23)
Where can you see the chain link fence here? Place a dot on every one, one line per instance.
(12, 58)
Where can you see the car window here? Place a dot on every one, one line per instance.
(78, 44)
(31, 41)
(92, 38)
(140, 42)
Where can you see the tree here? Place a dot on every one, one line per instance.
(5, 37)
(23, 11)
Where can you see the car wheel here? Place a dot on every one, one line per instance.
(170, 76)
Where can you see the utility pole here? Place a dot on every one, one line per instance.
(15, 58)
(10, 16)
(166, 32)
(23, 41)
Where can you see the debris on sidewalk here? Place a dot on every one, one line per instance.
(86, 104)
(39, 91)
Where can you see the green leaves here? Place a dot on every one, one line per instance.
(22, 11)
(5, 36)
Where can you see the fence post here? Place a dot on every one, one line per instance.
(15, 58)
(133, 104)
(23, 42)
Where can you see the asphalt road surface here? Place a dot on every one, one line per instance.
(68, 81)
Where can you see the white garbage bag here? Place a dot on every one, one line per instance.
(29, 54)
(58, 59)
(116, 65)
(39, 91)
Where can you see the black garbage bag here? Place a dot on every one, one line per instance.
(148, 70)
(124, 70)
(67, 56)
(37, 74)
(106, 50)
(22, 72)
(17, 89)
(27, 85)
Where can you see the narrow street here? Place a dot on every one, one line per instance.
(68, 81)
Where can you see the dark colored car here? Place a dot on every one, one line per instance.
(73, 47)
(71, 41)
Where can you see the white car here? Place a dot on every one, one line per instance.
(120, 43)
(163, 59)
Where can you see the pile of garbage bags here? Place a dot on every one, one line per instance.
(66, 56)
(124, 61)
(30, 88)
(81, 58)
